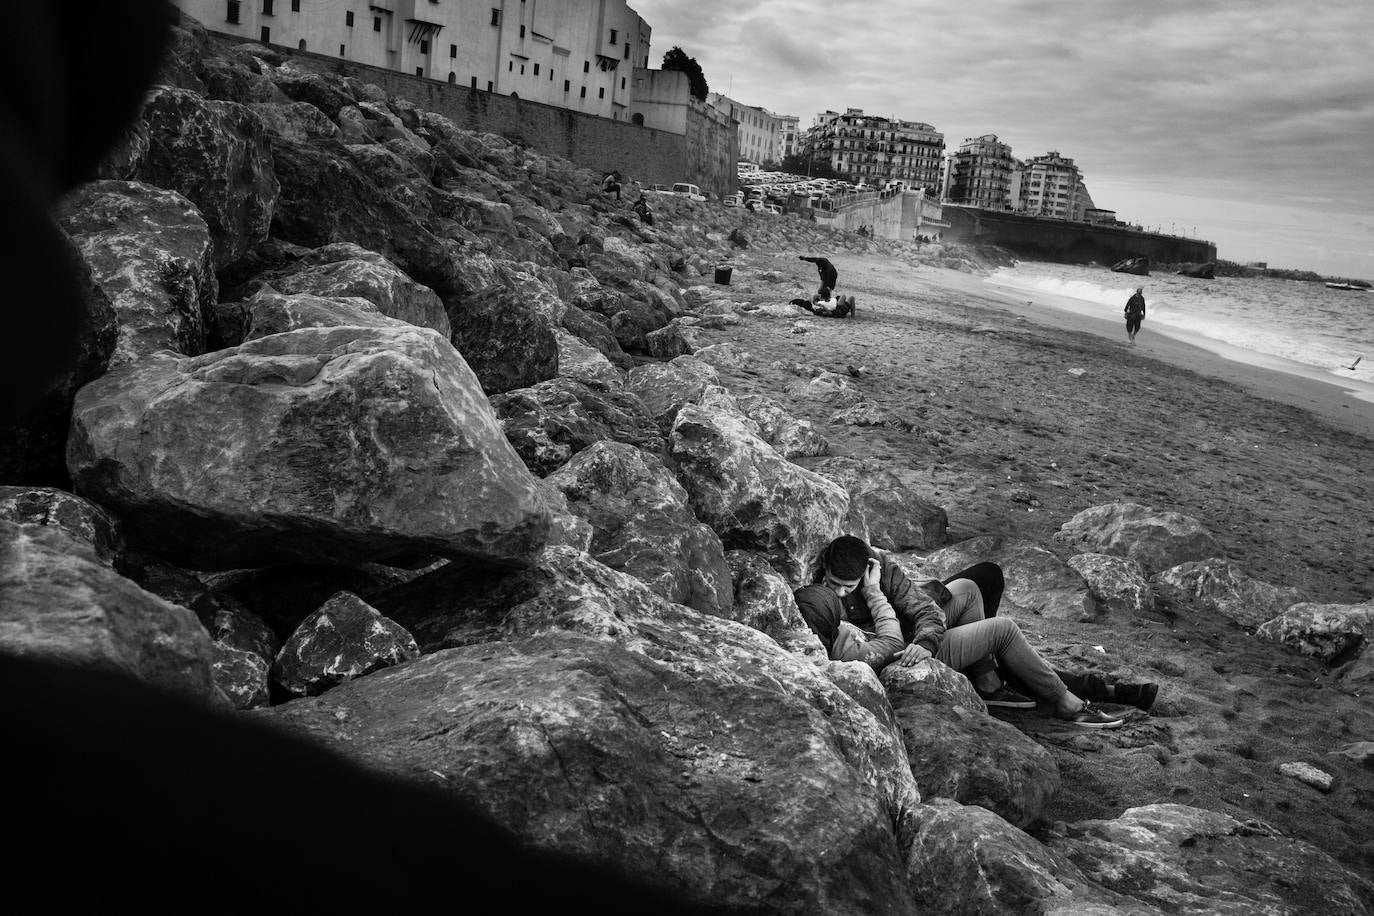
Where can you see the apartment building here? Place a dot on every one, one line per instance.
(981, 174)
(759, 129)
(789, 136)
(874, 150)
(574, 54)
(1051, 187)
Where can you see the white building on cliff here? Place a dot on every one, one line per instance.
(576, 54)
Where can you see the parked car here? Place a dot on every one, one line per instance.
(733, 200)
(772, 208)
(689, 191)
(658, 189)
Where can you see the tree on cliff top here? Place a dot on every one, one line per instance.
(677, 59)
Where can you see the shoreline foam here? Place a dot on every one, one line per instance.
(1349, 407)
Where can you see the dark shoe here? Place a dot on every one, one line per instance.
(1141, 696)
(1092, 717)
(1007, 698)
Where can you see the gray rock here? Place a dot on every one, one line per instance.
(242, 675)
(345, 639)
(151, 255)
(1308, 774)
(270, 312)
(763, 599)
(296, 121)
(1117, 585)
(643, 525)
(59, 602)
(793, 438)
(217, 155)
(1216, 585)
(1155, 539)
(81, 519)
(1187, 860)
(1330, 632)
(827, 391)
(898, 518)
(750, 495)
(583, 362)
(665, 387)
(610, 723)
(254, 455)
(958, 751)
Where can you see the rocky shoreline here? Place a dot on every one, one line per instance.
(408, 441)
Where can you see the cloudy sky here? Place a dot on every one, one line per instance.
(1246, 122)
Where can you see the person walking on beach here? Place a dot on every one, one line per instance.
(937, 620)
(829, 275)
(1135, 313)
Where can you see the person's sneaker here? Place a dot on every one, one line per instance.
(1091, 717)
(1141, 696)
(1007, 698)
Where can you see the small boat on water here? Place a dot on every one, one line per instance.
(1346, 286)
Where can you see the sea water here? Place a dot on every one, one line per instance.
(1302, 322)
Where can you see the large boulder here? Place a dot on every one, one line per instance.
(35, 439)
(344, 269)
(217, 155)
(298, 121)
(242, 676)
(1117, 585)
(792, 438)
(1188, 860)
(269, 312)
(326, 197)
(642, 525)
(1038, 583)
(967, 861)
(827, 391)
(763, 600)
(665, 387)
(750, 495)
(151, 255)
(79, 518)
(1216, 585)
(550, 422)
(1155, 539)
(345, 639)
(334, 445)
(688, 750)
(506, 339)
(59, 602)
(958, 751)
(900, 518)
(1334, 633)
(583, 362)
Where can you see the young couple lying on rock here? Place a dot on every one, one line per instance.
(864, 608)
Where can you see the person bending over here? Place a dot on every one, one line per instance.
(829, 275)
(940, 621)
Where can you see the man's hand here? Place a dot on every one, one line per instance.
(872, 572)
(912, 655)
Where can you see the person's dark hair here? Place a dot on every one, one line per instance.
(846, 557)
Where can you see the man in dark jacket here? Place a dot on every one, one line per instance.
(829, 275)
(1135, 313)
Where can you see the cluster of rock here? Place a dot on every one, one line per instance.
(404, 437)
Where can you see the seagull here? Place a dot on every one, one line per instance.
(1355, 363)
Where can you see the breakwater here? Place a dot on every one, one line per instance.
(1070, 242)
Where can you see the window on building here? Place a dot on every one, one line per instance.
(522, 69)
(536, 69)
(522, 31)
(586, 66)
(424, 47)
(266, 34)
(452, 77)
(584, 92)
(295, 6)
(601, 93)
(614, 35)
(627, 50)
(474, 82)
(231, 14)
(341, 50)
(489, 85)
(452, 51)
(348, 19)
(495, 17)
(419, 71)
(376, 23)
(267, 7)
(567, 85)
(622, 82)
(300, 45)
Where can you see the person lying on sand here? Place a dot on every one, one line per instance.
(862, 587)
(827, 305)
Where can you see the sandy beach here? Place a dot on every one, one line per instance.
(1025, 413)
